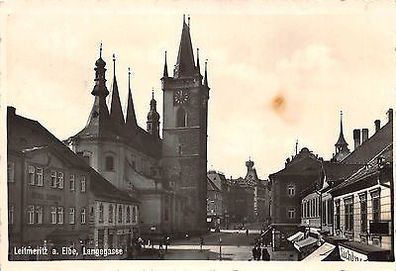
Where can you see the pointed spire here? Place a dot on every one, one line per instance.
(100, 76)
(165, 74)
(198, 66)
(130, 117)
(116, 110)
(185, 65)
(341, 143)
(206, 73)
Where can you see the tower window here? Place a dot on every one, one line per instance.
(109, 163)
(181, 118)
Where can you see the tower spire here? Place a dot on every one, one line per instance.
(206, 73)
(185, 66)
(153, 117)
(341, 144)
(130, 117)
(116, 110)
(198, 66)
(165, 74)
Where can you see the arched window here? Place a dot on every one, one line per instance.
(181, 118)
(291, 190)
(128, 214)
(109, 163)
(111, 213)
(101, 210)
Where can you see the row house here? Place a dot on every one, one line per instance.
(52, 192)
(348, 213)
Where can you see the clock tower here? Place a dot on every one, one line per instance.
(184, 148)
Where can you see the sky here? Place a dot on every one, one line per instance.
(278, 71)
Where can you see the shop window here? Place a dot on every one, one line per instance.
(348, 205)
(128, 214)
(363, 213)
(134, 214)
(120, 214)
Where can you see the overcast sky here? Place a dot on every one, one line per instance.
(277, 73)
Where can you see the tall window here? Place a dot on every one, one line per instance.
(83, 214)
(111, 213)
(181, 117)
(72, 183)
(60, 180)
(30, 212)
(302, 209)
(324, 212)
(60, 215)
(375, 202)
(101, 213)
(363, 212)
(39, 215)
(348, 205)
(53, 215)
(337, 215)
(291, 213)
(291, 190)
(120, 214)
(39, 175)
(134, 214)
(11, 214)
(10, 172)
(31, 175)
(309, 208)
(71, 215)
(128, 214)
(330, 211)
(109, 163)
(53, 178)
(83, 184)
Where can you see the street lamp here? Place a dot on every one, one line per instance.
(220, 248)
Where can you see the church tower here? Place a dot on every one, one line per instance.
(341, 146)
(184, 146)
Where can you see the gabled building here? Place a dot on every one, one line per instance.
(53, 195)
(167, 173)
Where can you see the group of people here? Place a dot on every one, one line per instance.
(260, 253)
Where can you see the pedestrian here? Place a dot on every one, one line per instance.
(265, 255)
(167, 243)
(247, 231)
(254, 253)
(201, 242)
(258, 249)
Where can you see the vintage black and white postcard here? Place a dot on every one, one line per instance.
(135, 133)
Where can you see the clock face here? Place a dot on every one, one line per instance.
(180, 97)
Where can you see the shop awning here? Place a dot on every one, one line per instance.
(296, 237)
(355, 251)
(305, 243)
(321, 253)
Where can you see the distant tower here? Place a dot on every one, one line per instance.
(185, 114)
(341, 146)
(153, 117)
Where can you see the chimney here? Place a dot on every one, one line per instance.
(365, 134)
(356, 137)
(390, 115)
(11, 111)
(377, 125)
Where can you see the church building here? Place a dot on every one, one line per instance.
(168, 174)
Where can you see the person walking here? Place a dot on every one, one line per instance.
(201, 243)
(254, 253)
(258, 249)
(265, 255)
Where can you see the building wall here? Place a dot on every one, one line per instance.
(311, 211)
(383, 241)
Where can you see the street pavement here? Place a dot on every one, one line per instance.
(234, 246)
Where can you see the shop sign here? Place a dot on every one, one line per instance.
(347, 254)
